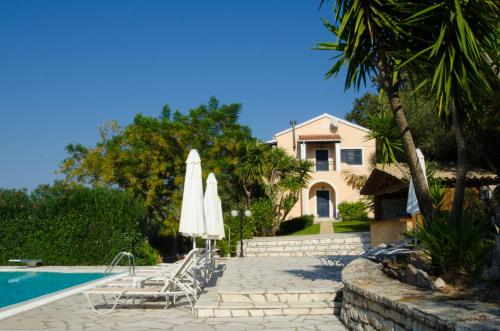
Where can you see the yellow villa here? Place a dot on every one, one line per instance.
(333, 145)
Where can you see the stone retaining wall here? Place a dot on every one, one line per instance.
(373, 301)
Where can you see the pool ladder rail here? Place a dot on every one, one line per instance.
(118, 258)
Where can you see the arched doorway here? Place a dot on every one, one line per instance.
(322, 200)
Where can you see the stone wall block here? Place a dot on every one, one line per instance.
(289, 297)
(362, 316)
(387, 326)
(240, 313)
(368, 327)
(373, 319)
(272, 297)
(408, 323)
(373, 306)
(256, 312)
(347, 297)
(257, 298)
(396, 317)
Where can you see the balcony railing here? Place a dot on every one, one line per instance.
(324, 165)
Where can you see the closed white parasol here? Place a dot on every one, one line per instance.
(213, 212)
(213, 215)
(192, 222)
(412, 207)
(220, 220)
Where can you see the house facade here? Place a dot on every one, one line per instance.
(333, 145)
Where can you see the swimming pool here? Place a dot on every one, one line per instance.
(16, 287)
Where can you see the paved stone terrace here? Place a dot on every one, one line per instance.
(73, 313)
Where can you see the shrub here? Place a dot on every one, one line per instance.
(437, 192)
(461, 247)
(295, 224)
(473, 206)
(230, 248)
(13, 202)
(73, 225)
(353, 211)
(263, 217)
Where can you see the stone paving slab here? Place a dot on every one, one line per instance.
(326, 227)
(279, 275)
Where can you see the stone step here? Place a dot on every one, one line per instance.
(313, 250)
(314, 245)
(305, 248)
(295, 254)
(330, 241)
(290, 296)
(232, 309)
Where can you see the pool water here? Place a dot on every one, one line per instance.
(16, 286)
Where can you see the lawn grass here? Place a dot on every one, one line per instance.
(312, 229)
(351, 226)
(338, 227)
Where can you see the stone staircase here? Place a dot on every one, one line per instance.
(271, 286)
(270, 304)
(312, 245)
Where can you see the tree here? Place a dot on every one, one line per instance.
(250, 169)
(483, 132)
(430, 132)
(368, 36)
(454, 46)
(368, 104)
(389, 145)
(147, 158)
(284, 178)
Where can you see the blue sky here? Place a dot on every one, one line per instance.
(66, 67)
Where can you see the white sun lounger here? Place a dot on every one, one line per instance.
(178, 283)
(30, 263)
(150, 276)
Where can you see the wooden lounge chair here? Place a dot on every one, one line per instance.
(177, 283)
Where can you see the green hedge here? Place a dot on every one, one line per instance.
(353, 211)
(72, 225)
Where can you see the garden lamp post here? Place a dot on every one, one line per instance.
(240, 212)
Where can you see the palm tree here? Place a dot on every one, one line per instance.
(368, 39)
(250, 169)
(457, 42)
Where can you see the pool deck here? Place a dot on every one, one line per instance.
(73, 312)
(66, 269)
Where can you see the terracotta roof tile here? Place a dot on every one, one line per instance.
(319, 137)
(442, 173)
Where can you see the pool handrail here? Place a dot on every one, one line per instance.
(117, 260)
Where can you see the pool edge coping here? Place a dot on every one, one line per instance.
(24, 306)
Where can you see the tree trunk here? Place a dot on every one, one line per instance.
(248, 195)
(419, 182)
(457, 125)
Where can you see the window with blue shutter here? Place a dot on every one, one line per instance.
(353, 156)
